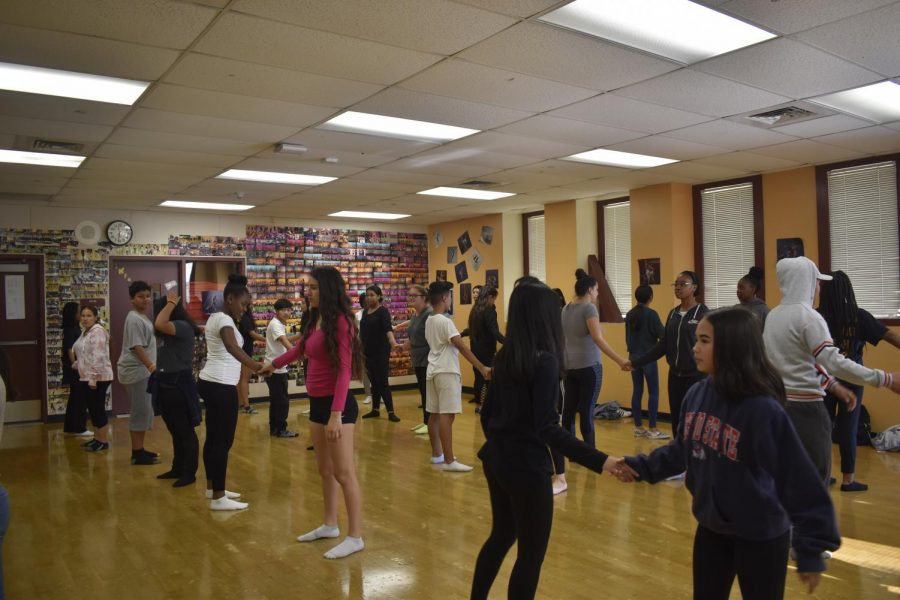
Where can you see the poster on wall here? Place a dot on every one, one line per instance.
(15, 297)
(438, 238)
(462, 272)
(487, 235)
(649, 271)
(465, 293)
(451, 254)
(477, 259)
(440, 275)
(789, 248)
(492, 278)
(465, 242)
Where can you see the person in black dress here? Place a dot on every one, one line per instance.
(377, 336)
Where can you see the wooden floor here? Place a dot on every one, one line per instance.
(95, 527)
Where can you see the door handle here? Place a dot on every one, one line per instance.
(20, 343)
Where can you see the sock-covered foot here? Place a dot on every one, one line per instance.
(559, 487)
(173, 474)
(183, 481)
(224, 503)
(456, 467)
(854, 486)
(346, 548)
(320, 532)
(229, 495)
(437, 460)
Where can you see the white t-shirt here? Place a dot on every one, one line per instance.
(443, 357)
(221, 367)
(275, 348)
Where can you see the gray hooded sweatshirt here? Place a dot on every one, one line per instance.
(798, 341)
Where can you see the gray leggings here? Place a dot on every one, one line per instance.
(813, 425)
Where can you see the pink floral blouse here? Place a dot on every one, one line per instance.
(92, 355)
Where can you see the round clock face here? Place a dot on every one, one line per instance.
(119, 233)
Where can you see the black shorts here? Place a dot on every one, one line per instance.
(320, 409)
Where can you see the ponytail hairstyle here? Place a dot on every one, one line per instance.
(694, 280)
(476, 317)
(334, 304)
(837, 304)
(583, 282)
(235, 289)
(635, 317)
(754, 277)
(562, 297)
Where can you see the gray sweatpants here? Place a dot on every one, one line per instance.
(814, 428)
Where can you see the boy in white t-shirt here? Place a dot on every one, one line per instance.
(277, 343)
(443, 383)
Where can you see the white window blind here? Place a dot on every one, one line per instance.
(617, 242)
(862, 209)
(728, 250)
(536, 252)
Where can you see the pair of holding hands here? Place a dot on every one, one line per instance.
(618, 468)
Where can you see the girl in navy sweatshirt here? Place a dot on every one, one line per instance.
(751, 480)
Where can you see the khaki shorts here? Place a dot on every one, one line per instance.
(443, 394)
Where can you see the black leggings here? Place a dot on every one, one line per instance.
(221, 420)
(378, 369)
(96, 402)
(760, 566)
(279, 404)
(678, 388)
(76, 411)
(522, 510)
(582, 388)
(420, 381)
(175, 414)
(480, 382)
(846, 425)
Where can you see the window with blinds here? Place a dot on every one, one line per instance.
(536, 252)
(728, 245)
(862, 214)
(617, 244)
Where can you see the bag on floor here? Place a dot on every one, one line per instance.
(864, 433)
(888, 440)
(609, 411)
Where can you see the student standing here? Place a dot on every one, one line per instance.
(520, 423)
(247, 329)
(377, 337)
(755, 491)
(94, 375)
(678, 338)
(642, 332)
(443, 382)
(851, 328)
(330, 342)
(218, 388)
(418, 349)
(364, 376)
(747, 288)
(175, 388)
(277, 343)
(484, 333)
(76, 411)
(584, 342)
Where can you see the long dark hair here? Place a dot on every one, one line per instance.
(741, 367)
(837, 304)
(70, 315)
(533, 326)
(583, 282)
(304, 316)
(476, 317)
(635, 317)
(334, 304)
(178, 314)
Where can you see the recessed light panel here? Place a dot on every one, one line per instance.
(614, 158)
(274, 177)
(68, 84)
(394, 127)
(878, 102)
(355, 214)
(677, 29)
(42, 159)
(205, 205)
(453, 192)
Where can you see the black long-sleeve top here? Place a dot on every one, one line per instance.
(484, 343)
(677, 342)
(520, 424)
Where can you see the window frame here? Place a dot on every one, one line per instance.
(525, 217)
(823, 211)
(601, 244)
(759, 250)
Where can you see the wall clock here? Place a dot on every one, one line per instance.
(119, 233)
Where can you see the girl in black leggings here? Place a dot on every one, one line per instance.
(377, 335)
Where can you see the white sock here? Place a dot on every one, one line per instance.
(346, 548)
(224, 503)
(229, 495)
(437, 459)
(322, 531)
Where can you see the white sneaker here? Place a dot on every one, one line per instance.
(436, 460)
(229, 495)
(224, 503)
(368, 400)
(641, 433)
(658, 435)
(456, 467)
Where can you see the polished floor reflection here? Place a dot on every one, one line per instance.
(87, 526)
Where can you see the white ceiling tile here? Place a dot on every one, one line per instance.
(701, 93)
(110, 165)
(36, 173)
(29, 188)
(54, 130)
(666, 147)
(252, 39)
(152, 22)
(870, 140)
(396, 176)
(460, 79)
(540, 50)
(747, 161)
(320, 140)
(823, 126)
(868, 39)
(575, 170)
(515, 8)
(808, 151)
(159, 120)
(727, 134)
(894, 125)
(180, 99)
(186, 143)
(470, 157)
(491, 141)
(797, 15)
(54, 108)
(570, 131)
(302, 167)
(698, 171)
(229, 190)
(167, 156)
(628, 113)
(435, 166)
(213, 73)
(789, 68)
(318, 155)
(539, 177)
(427, 25)
(123, 187)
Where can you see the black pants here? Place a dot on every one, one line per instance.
(488, 361)
(760, 566)
(378, 369)
(559, 461)
(522, 510)
(177, 417)
(420, 382)
(96, 402)
(678, 388)
(278, 402)
(846, 425)
(582, 388)
(221, 420)
(76, 410)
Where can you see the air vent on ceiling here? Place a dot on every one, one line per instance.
(54, 146)
(781, 116)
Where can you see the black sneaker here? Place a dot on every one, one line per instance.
(88, 443)
(96, 446)
(183, 481)
(285, 433)
(144, 459)
(393, 418)
(371, 415)
(169, 475)
(148, 453)
(249, 410)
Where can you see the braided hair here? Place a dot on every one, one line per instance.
(837, 304)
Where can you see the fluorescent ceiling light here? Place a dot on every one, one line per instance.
(205, 205)
(878, 102)
(465, 193)
(676, 29)
(355, 214)
(68, 84)
(394, 127)
(615, 158)
(274, 177)
(40, 158)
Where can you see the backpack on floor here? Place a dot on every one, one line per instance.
(609, 411)
(888, 440)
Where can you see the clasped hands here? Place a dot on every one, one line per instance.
(618, 468)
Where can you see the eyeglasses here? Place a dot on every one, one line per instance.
(682, 284)
(415, 295)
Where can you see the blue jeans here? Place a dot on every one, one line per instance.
(4, 524)
(582, 388)
(650, 372)
(846, 425)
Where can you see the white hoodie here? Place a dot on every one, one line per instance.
(798, 341)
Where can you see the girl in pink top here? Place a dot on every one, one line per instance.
(95, 374)
(331, 345)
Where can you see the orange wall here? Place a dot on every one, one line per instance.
(561, 245)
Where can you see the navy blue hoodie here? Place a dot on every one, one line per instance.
(748, 473)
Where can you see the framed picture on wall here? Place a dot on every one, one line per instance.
(492, 278)
(451, 254)
(465, 293)
(649, 270)
(465, 242)
(462, 272)
(477, 259)
(789, 248)
(440, 275)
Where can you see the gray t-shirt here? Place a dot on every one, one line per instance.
(581, 351)
(418, 345)
(176, 352)
(138, 332)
